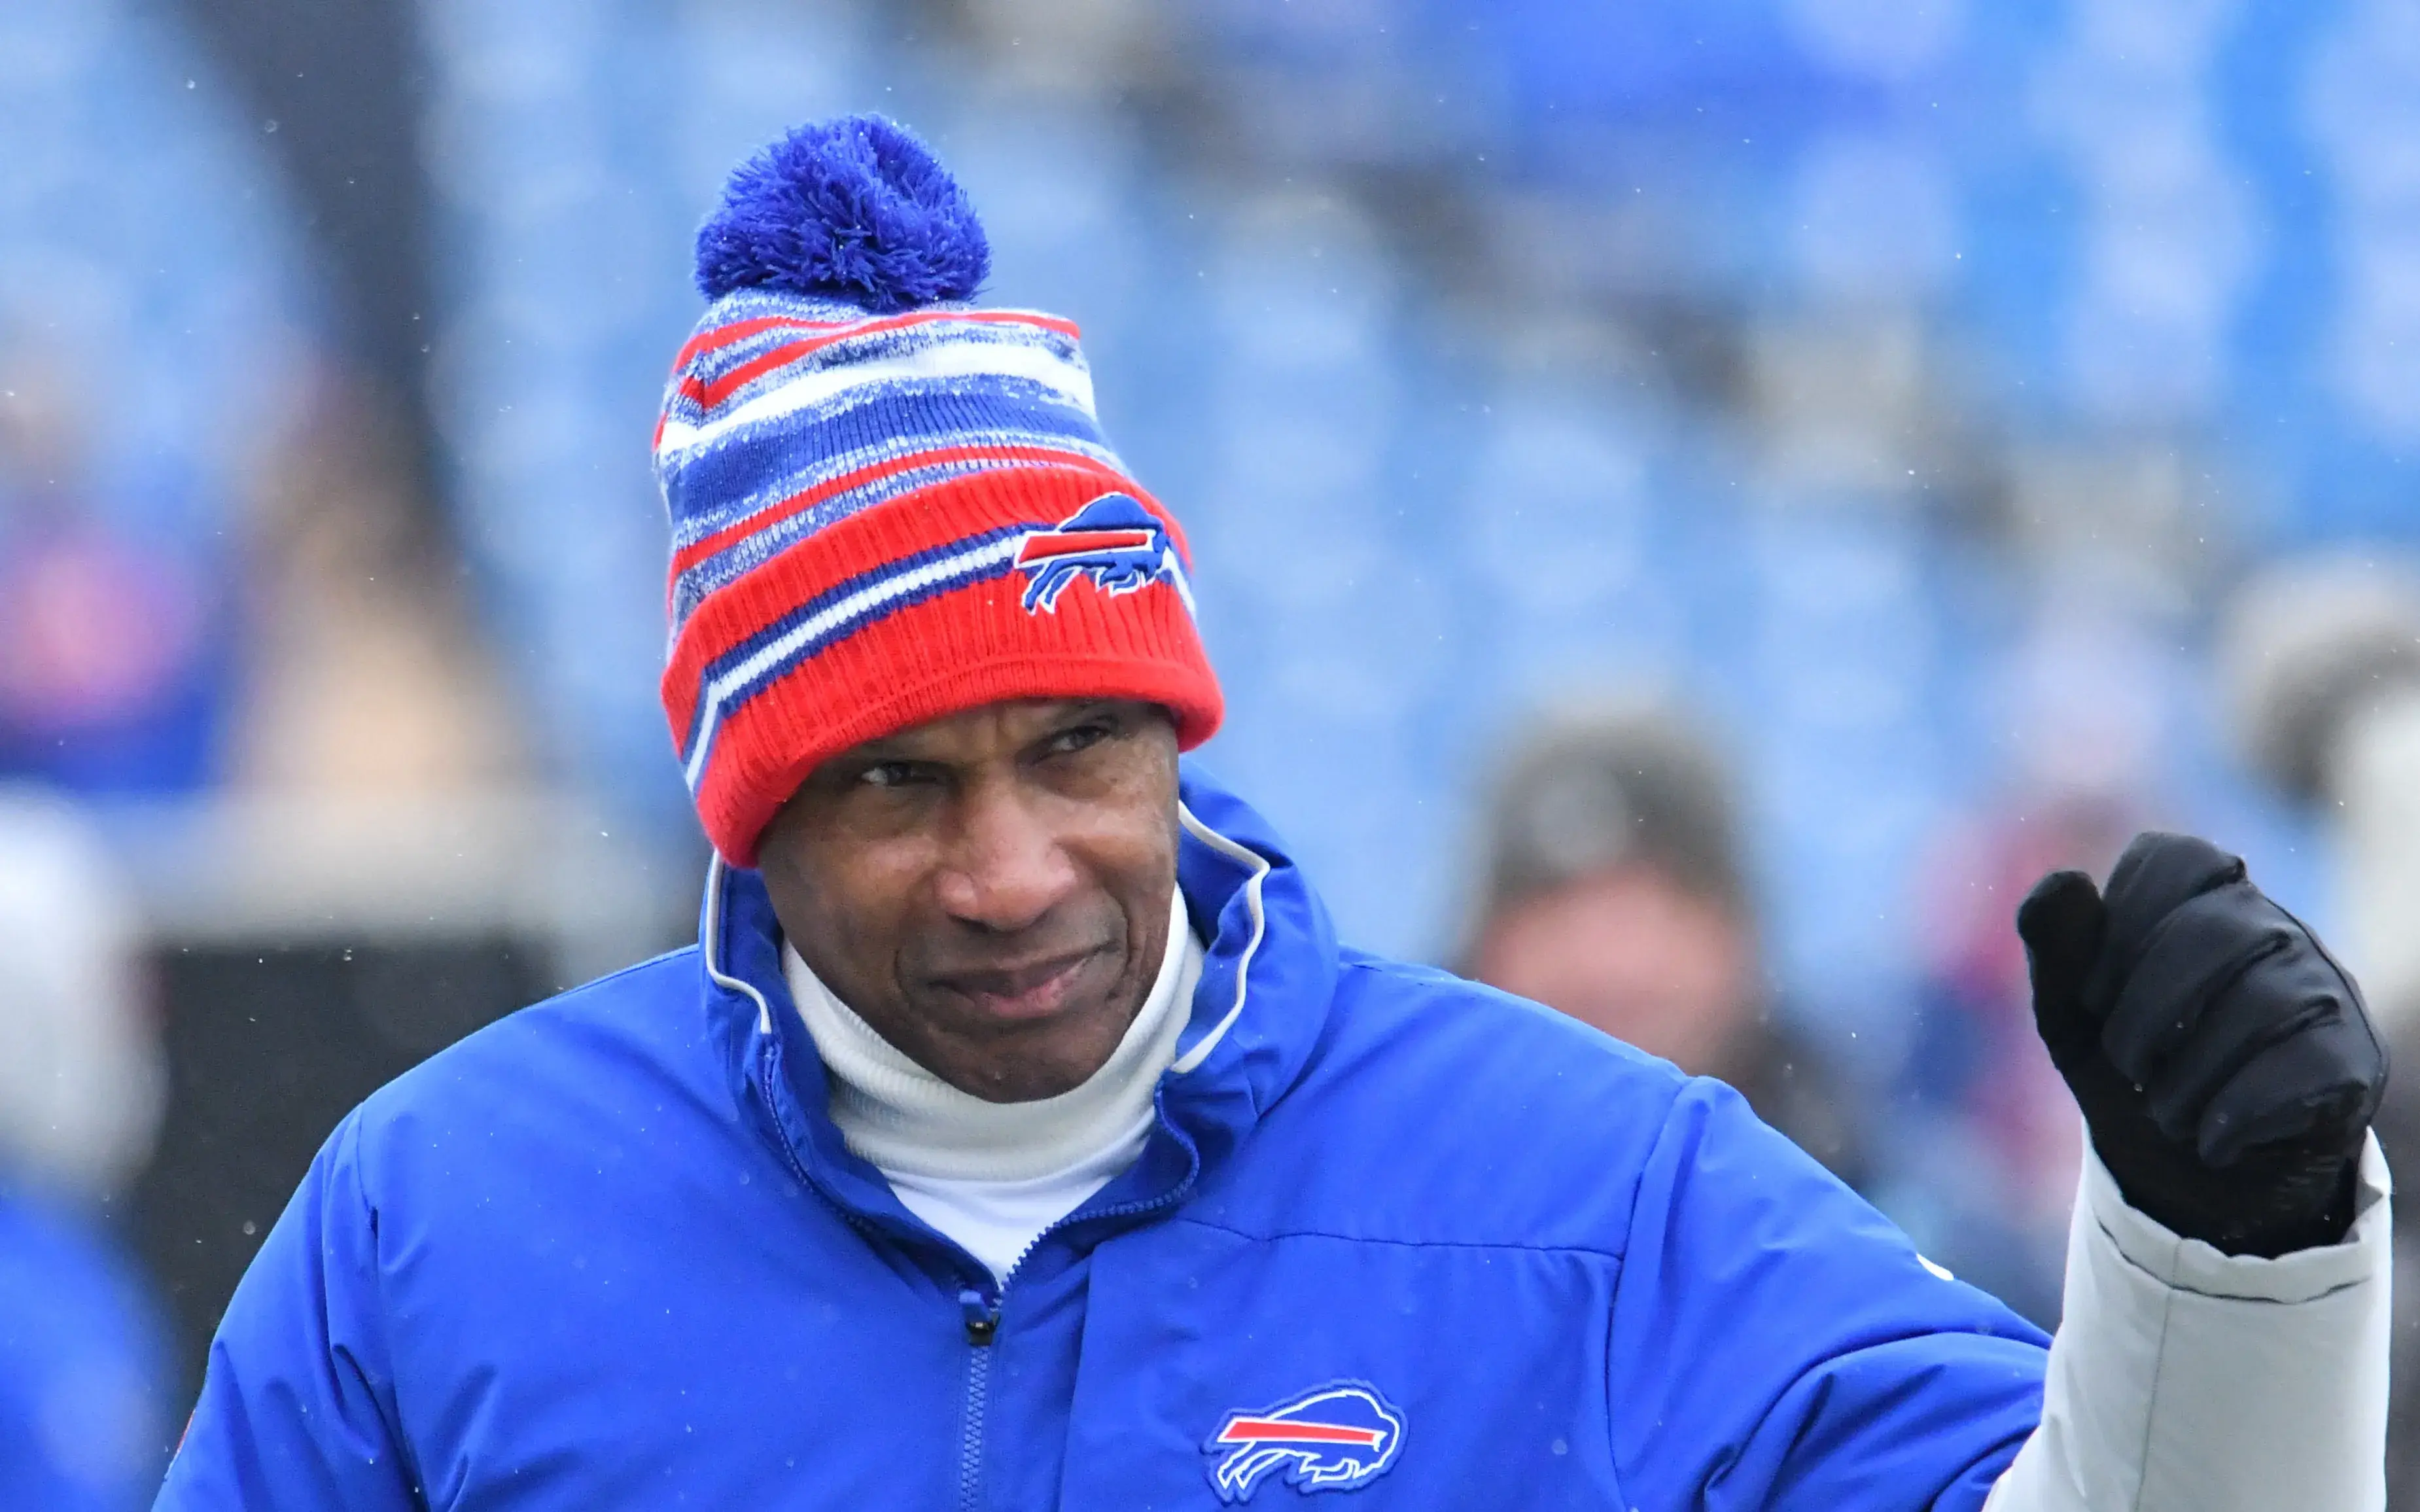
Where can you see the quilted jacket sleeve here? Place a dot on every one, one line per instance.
(296, 1408)
(2187, 1381)
(1778, 1345)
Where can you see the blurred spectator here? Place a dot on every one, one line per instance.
(1992, 1141)
(1614, 892)
(81, 1348)
(113, 657)
(1987, 1139)
(2323, 655)
(368, 679)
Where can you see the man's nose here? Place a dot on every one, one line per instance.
(1007, 869)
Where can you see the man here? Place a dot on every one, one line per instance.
(1018, 1135)
(1612, 890)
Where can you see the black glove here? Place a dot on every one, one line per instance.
(2223, 1061)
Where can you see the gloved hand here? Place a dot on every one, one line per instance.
(2225, 1066)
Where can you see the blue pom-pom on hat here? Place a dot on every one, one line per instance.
(856, 209)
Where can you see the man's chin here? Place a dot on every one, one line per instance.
(1032, 1066)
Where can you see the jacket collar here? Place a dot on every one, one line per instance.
(1267, 980)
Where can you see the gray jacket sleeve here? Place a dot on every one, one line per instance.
(2187, 1381)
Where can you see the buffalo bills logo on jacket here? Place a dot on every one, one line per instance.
(1333, 1439)
(1114, 541)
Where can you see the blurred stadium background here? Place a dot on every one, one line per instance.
(1919, 399)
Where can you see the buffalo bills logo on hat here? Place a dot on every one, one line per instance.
(1333, 1439)
(1114, 541)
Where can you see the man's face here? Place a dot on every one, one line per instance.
(990, 891)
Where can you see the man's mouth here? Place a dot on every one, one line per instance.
(1034, 991)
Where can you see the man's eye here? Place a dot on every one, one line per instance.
(888, 775)
(1066, 742)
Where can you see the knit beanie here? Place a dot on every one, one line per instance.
(888, 502)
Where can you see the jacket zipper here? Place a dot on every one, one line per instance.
(979, 1310)
(981, 1313)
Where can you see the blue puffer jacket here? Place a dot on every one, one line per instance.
(1394, 1234)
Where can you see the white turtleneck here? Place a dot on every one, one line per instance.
(993, 1175)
